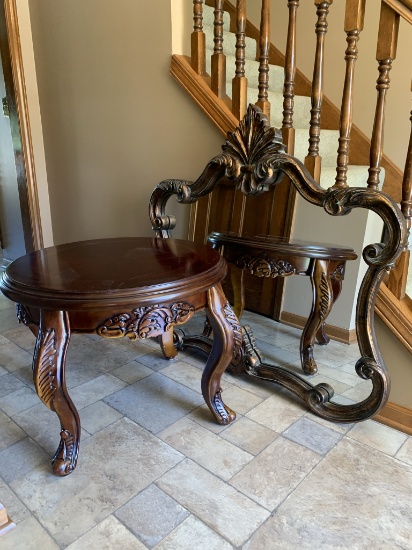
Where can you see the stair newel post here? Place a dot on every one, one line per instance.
(218, 82)
(313, 161)
(264, 49)
(239, 83)
(288, 131)
(399, 275)
(354, 18)
(198, 39)
(385, 54)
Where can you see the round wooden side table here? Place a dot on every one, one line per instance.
(134, 287)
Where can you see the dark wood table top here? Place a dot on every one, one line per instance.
(287, 245)
(82, 274)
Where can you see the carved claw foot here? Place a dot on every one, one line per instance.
(224, 414)
(65, 459)
(309, 365)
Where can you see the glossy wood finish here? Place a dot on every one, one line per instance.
(354, 18)
(239, 82)
(290, 66)
(253, 161)
(385, 54)
(198, 39)
(218, 61)
(272, 257)
(134, 287)
(313, 159)
(264, 46)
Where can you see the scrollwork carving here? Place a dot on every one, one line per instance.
(339, 273)
(23, 316)
(246, 161)
(237, 332)
(264, 266)
(146, 322)
(46, 351)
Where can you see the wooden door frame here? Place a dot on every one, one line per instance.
(16, 90)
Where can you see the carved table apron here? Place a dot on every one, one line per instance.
(134, 287)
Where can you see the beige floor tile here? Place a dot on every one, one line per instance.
(132, 372)
(240, 400)
(96, 389)
(359, 392)
(356, 498)
(151, 515)
(110, 534)
(186, 374)
(114, 465)
(378, 436)
(248, 435)
(221, 507)
(10, 432)
(207, 449)
(277, 412)
(18, 401)
(275, 472)
(97, 416)
(14, 506)
(191, 534)
(28, 535)
(405, 452)
(13, 357)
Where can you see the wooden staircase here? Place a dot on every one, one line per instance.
(209, 89)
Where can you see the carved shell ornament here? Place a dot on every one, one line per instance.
(249, 150)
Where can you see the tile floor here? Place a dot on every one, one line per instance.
(156, 472)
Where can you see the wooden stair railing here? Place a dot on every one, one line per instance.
(313, 160)
(391, 11)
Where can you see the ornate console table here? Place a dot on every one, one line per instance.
(283, 257)
(134, 287)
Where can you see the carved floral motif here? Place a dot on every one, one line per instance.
(264, 266)
(23, 315)
(146, 322)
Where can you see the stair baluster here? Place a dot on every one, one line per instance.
(313, 161)
(198, 39)
(218, 83)
(354, 18)
(264, 49)
(385, 54)
(288, 132)
(239, 83)
(399, 275)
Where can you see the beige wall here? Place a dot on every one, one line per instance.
(397, 129)
(115, 123)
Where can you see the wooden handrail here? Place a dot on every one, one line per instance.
(198, 39)
(218, 61)
(264, 47)
(354, 18)
(313, 160)
(403, 7)
(239, 83)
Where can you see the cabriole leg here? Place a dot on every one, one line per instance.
(227, 337)
(321, 306)
(49, 379)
